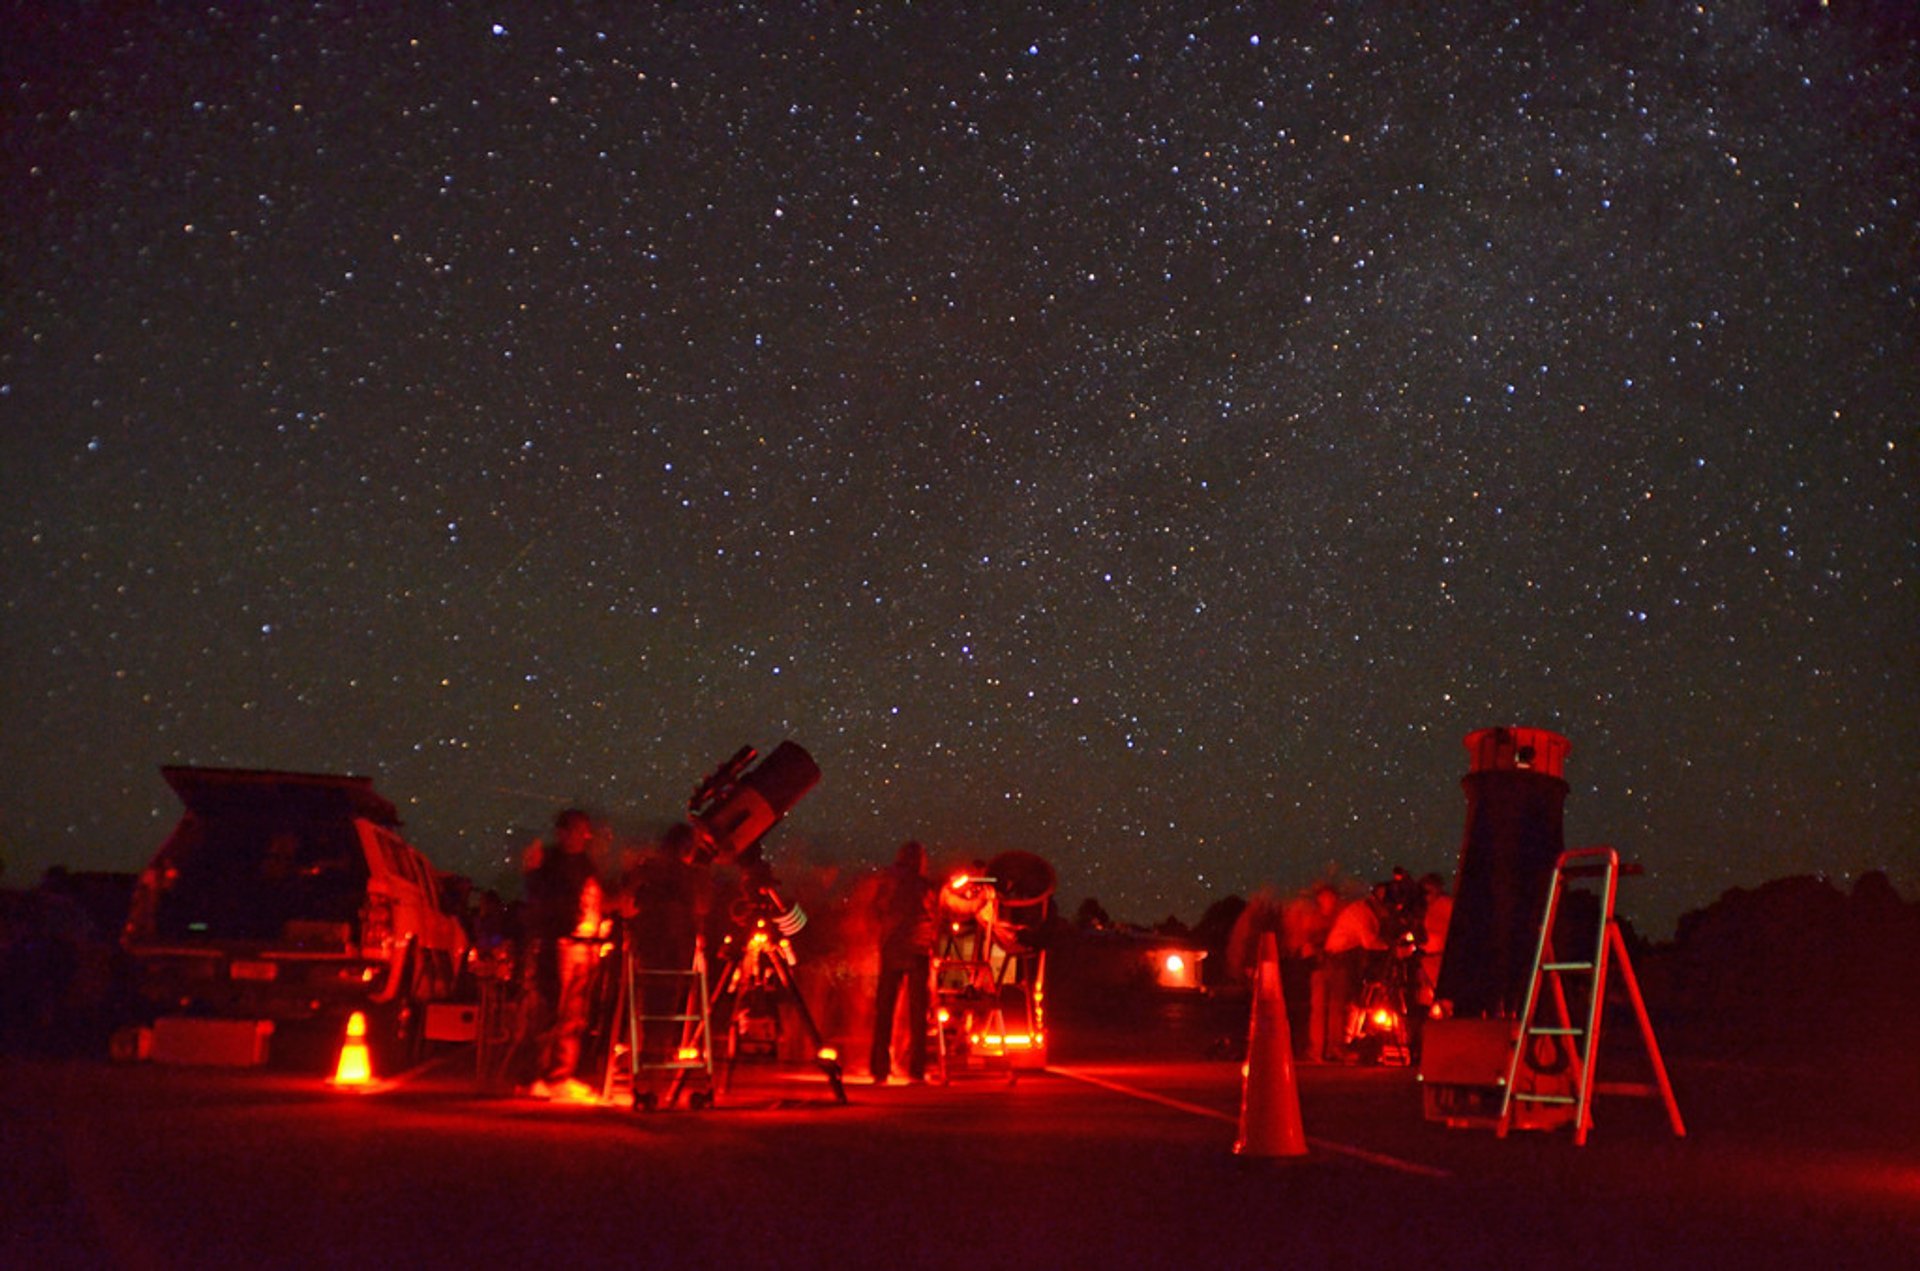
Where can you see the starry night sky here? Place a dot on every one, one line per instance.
(1153, 440)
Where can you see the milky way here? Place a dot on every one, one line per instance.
(1151, 440)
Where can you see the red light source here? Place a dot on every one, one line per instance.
(1176, 968)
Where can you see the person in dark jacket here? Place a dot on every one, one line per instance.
(668, 896)
(904, 912)
(564, 916)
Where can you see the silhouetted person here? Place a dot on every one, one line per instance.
(669, 893)
(1436, 915)
(563, 911)
(904, 911)
(1308, 920)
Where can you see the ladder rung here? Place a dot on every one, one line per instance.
(1566, 966)
(1544, 1098)
(1556, 1032)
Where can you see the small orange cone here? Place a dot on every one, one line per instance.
(1269, 1100)
(356, 1066)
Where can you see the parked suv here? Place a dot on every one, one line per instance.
(291, 897)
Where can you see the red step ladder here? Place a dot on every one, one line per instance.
(1580, 1043)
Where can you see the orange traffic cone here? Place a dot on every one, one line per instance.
(1270, 1101)
(356, 1066)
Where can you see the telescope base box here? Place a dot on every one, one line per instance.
(452, 1022)
(1463, 1073)
(1467, 1052)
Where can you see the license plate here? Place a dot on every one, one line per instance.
(241, 970)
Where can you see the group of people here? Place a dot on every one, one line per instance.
(1332, 949)
(660, 903)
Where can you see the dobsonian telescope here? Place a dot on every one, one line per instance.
(1516, 799)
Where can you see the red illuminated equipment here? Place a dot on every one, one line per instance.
(1518, 750)
(989, 969)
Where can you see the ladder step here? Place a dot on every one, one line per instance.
(1566, 966)
(1556, 1032)
(1524, 1097)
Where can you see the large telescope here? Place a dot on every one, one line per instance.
(737, 803)
(1516, 800)
(1516, 796)
(730, 812)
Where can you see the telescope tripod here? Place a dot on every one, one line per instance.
(754, 974)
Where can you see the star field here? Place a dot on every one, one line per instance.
(1153, 440)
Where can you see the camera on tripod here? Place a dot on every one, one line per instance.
(1403, 924)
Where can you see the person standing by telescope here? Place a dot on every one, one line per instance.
(667, 897)
(1353, 944)
(563, 909)
(904, 910)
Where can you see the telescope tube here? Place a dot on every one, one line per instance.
(1516, 799)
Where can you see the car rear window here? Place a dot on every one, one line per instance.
(258, 878)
